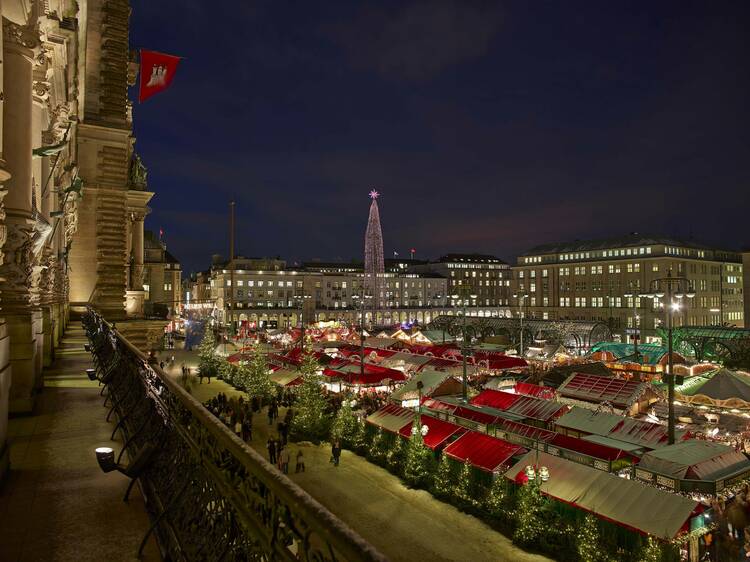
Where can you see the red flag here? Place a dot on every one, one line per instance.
(157, 71)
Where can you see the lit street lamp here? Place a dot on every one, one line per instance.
(521, 298)
(671, 288)
(464, 351)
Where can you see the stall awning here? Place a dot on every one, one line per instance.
(495, 399)
(520, 406)
(439, 431)
(286, 377)
(626, 502)
(696, 460)
(591, 449)
(482, 451)
(391, 418)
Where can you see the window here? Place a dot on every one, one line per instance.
(167, 286)
(655, 267)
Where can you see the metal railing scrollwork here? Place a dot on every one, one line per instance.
(210, 496)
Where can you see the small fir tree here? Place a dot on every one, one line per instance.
(359, 441)
(345, 425)
(529, 516)
(255, 375)
(310, 418)
(464, 489)
(653, 551)
(208, 361)
(395, 456)
(418, 457)
(444, 481)
(587, 541)
(377, 450)
(497, 502)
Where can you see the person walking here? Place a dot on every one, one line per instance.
(336, 452)
(238, 427)
(271, 446)
(247, 429)
(300, 463)
(285, 460)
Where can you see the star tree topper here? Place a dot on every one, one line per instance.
(374, 194)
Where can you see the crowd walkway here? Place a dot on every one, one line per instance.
(404, 524)
(56, 503)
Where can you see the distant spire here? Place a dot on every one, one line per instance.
(374, 262)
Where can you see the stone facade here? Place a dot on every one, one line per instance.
(71, 208)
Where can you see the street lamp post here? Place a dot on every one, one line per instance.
(521, 298)
(362, 300)
(671, 288)
(464, 379)
(301, 303)
(636, 318)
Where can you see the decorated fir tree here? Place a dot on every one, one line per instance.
(208, 361)
(359, 441)
(497, 502)
(395, 455)
(587, 541)
(529, 516)
(345, 424)
(255, 375)
(376, 452)
(444, 481)
(653, 551)
(417, 463)
(310, 419)
(464, 489)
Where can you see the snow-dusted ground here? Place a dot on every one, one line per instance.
(404, 524)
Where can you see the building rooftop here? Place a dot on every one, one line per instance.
(471, 258)
(629, 240)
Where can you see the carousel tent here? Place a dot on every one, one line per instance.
(721, 388)
(625, 502)
(482, 451)
(391, 417)
(438, 432)
(434, 383)
(695, 460)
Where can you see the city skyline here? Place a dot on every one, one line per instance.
(541, 127)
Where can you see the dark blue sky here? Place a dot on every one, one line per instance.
(488, 127)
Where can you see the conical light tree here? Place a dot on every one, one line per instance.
(345, 424)
(529, 517)
(418, 460)
(464, 491)
(587, 541)
(256, 378)
(444, 482)
(374, 261)
(208, 360)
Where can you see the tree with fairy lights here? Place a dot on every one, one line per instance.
(395, 456)
(208, 360)
(464, 489)
(377, 451)
(444, 481)
(417, 463)
(310, 419)
(529, 514)
(497, 502)
(345, 424)
(256, 377)
(588, 541)
(360, 439)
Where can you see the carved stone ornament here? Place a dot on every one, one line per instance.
(24, 35)
(16, 268)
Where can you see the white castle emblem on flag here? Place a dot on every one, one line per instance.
(158, 76)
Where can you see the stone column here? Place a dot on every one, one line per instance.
(4, 342)
(19, 51)
(138, 251)
(135, 296)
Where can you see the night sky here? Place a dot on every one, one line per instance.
(487, 127)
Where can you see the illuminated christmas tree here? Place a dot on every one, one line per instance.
(374, 262)
(464, 490)
(529, 517)
(208, 361)
(345, 425)
(497, 502)
(310, 419)
(418, 460)
(444, 481)
(255, 375)
(587, 541)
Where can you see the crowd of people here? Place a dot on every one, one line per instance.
(236, 413)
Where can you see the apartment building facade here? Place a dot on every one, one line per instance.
(605, 280)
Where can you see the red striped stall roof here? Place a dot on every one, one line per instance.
(459, 411)
(528, 431)
(482, 451)
(528, 389)
(495, 399)
(595, 388)
(591, 449)
(439, 431)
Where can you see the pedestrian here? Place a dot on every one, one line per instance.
(161, 365)
(247, 429)
(277, 444)
(336, 452)
(285, 460)
(271, 446)
(281, 427)
(270, 416)
(237, 427)
(300, 464)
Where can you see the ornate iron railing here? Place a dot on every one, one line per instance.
(210, 496)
